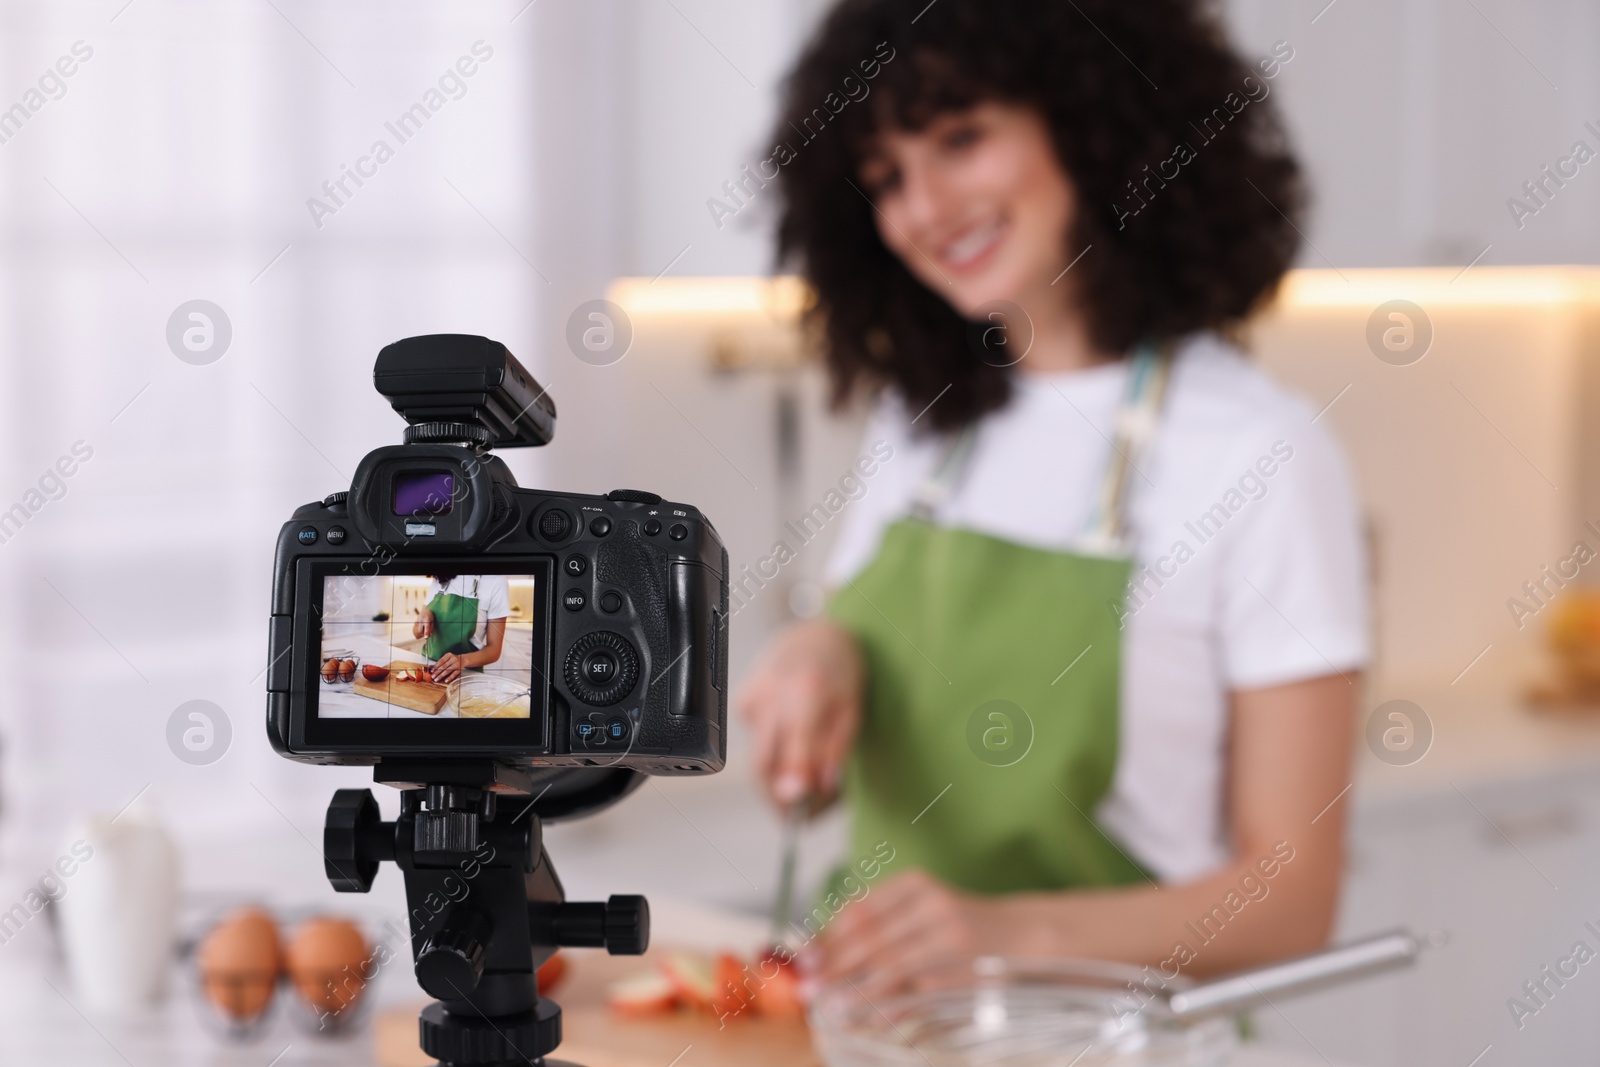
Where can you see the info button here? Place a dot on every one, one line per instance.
(574, 600)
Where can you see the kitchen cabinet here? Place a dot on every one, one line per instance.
(1504, 863)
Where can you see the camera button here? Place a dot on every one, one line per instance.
(617, 729)
(611, 602)
(574, 600)
(600, 526)
(554, 525)
(652, 527)
(587, 731)
(600, 668)
(336, 535)
(678, 532)
(576, 566)
(307, 535)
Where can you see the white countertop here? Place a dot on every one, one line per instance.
(1481, 741)
(40, 1023)
(709, 841)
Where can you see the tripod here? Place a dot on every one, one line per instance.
(486, 906)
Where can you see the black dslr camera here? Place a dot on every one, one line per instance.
(502, 655)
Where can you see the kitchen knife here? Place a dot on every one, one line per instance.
(793, 819)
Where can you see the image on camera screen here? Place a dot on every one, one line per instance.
(427, 646)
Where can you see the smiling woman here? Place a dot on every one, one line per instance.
(1202, 256)
(1064, 762)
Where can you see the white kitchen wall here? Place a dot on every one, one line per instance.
(177, 165)
(1418, 119)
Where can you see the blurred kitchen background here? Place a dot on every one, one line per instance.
(176, 165)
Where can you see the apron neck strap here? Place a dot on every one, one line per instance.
(936, 488)
(1137, 416)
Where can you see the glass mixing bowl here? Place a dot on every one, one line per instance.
(1017, 1013)
(489, 696)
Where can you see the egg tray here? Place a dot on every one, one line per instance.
(253, 971)
(343, 655)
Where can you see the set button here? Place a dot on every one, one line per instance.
(600, 668)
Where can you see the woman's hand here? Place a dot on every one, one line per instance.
(886, 939)
(449, 666)
(804, 702)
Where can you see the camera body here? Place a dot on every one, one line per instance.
(438, 615)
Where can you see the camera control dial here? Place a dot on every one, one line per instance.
(601, 668)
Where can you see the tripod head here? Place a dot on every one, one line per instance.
(486, 906)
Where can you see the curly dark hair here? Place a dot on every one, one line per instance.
(1121, 85)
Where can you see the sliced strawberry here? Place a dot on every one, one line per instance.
(551, 972)
(692, 977)
(646, 993)
(779, 978)
(732, 991)
(781, 955)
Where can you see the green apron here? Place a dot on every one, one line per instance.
(990, 730)
(455, 620)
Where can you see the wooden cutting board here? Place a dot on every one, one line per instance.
(426, 697)
(595, 1036)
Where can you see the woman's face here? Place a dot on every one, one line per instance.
(976, 204)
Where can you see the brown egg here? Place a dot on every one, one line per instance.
(240, 960)
(329, 963)
(330, 671)
(347, 670)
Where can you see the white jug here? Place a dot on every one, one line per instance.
(118, 913)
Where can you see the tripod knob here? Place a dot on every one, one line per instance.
(468, 1040)
(351, 841)
(450, 962)
(446, 831)
(627, 925)
(621, 925)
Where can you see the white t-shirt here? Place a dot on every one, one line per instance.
(1249, 561)
(492, 591)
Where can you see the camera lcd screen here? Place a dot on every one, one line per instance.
(431, 647)
(424, 493)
